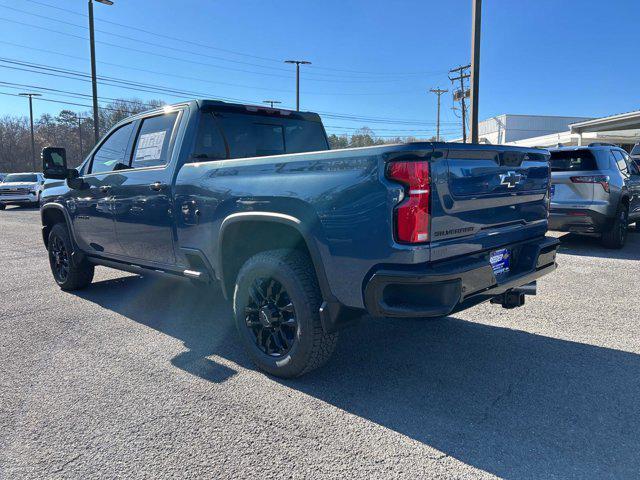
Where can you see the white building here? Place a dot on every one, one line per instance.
(549, 131)
(622, 129)
(509, 128)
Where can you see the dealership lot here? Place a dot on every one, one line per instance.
(138, 377)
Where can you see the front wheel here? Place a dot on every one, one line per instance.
(69, 275)
(276, 306)
(617, 235)
(2, 206)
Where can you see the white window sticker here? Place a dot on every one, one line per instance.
(150, 146)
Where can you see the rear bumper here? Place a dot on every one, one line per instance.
(454, 285)
(577, 220)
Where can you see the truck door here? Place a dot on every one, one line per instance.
(142, 204)
(90, 207)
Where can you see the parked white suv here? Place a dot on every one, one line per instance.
(21, 189)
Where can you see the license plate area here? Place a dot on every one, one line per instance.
(500, 261)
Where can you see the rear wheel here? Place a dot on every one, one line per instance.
(67, 274)
(276, 307)
(617, 235)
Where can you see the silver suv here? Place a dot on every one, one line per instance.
(594, 189)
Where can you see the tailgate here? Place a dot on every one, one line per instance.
(488, 196)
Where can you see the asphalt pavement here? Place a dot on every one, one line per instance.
(144, 378)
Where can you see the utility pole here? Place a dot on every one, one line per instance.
(438, 91)
(94, 81)
(461, 76)
(33, 141)
(475, 67)
(271, 102)
(298, 63)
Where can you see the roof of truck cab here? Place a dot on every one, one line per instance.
(240, 107)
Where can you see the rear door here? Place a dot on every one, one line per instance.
(90, 207)
(142, 204)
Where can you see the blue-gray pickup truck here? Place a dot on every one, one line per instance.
(302, 239)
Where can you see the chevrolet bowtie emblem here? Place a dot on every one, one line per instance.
(510, 179)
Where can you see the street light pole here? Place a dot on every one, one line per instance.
(475, 67)
(94, 82)
(298, 63)
(33, 141)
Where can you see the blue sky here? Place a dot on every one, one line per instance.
(371, 59)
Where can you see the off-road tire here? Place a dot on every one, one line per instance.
(616, 236)
(312, 347)
(79, 274)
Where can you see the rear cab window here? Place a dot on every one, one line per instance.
(572, 160)
(247, 135)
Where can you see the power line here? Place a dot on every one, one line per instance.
(234, 52)
(150, 88)
(69, 103)
(214, 66)
(175, 49)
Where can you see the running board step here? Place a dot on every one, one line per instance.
(201, 276)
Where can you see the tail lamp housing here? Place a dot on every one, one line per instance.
(603, 180)
(412, 215)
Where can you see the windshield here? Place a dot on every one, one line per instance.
(21, 177)
(571, 160)
(636, 150)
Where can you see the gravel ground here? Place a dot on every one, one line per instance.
(143, 378)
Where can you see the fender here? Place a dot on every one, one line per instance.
(282, 219)
(333, 315)
(67, 218)
(77, 255)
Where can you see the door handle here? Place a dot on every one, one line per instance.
(157, 186)
(105, 188)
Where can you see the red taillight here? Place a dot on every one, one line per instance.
(412, 215)
(601, 179)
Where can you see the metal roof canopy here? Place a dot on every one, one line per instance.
(622, 121)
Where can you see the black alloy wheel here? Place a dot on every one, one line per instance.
(59, 259)
(271, 317)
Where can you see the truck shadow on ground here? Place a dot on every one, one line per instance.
(512, 403)
(581, 245)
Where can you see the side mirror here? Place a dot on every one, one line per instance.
(54, 163)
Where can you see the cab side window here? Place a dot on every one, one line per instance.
(112, 154)
(151, 148)
(209, 141)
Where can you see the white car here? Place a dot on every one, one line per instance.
(21, 189)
